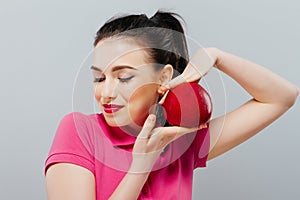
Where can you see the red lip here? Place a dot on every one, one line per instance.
(111, 108)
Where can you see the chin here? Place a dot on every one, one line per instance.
(131, 119)
(113, 122)
(116, 121)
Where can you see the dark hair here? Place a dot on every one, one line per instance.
(163, 36)
(162, 33)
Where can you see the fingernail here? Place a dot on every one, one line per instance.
(151, 117)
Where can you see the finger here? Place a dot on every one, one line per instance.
(176, 131)
(176, 81)
(147, 128)
(162, 100)
(202, 126)
(172, 83)
(164, 88)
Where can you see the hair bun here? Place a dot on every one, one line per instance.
(167, 20)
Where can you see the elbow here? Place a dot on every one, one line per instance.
(292, 97)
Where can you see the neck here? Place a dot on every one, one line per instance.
(133, 130)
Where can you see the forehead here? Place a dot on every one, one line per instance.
(118, 51)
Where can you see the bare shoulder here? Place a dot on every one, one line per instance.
(69, 181)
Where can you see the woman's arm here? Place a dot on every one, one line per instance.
(272, 96)
(147, 148)
(130, 186)
(69, 182)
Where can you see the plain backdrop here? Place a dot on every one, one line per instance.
(43, 44)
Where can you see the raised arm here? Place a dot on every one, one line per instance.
(272, 96)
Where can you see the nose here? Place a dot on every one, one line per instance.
(108, 90)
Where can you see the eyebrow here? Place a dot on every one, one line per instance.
(115, 68)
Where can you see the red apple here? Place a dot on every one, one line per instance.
(187, 105)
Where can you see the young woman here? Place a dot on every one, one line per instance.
(128, 151)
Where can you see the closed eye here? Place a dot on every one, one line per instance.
(97, 80)
(124, 80)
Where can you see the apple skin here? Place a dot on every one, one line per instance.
(187, 105)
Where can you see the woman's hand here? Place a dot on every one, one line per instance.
(151, 142)
(199, 65)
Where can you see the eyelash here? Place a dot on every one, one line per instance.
(96, 80)
(123, 80)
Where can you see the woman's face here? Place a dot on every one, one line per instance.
(125, 84)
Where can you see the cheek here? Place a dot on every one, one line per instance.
(96, 90)
(141, 100)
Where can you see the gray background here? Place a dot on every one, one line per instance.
(43, 44)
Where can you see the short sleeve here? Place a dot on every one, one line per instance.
(201, 147)
(72, 143)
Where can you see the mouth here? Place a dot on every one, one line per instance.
(111, 108)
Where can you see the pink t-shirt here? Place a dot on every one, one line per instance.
(88, 141)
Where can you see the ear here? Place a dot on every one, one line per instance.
(165, 76)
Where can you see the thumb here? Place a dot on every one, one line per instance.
(148, 126)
